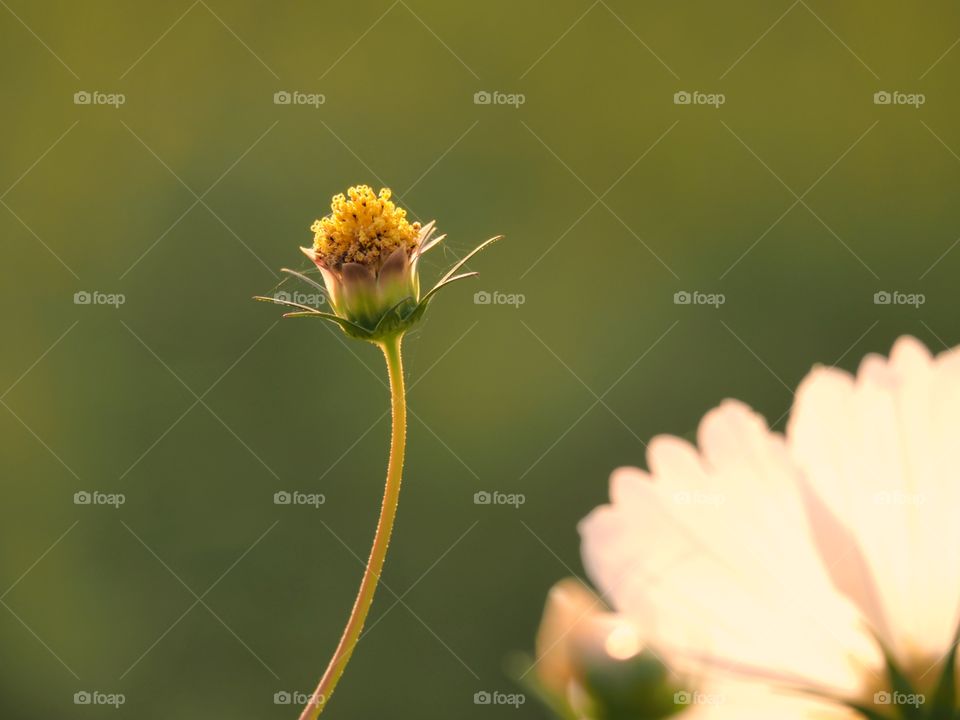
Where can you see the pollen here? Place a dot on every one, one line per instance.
(364, 228)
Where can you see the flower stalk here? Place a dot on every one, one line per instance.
(391, 348)
(368, 255)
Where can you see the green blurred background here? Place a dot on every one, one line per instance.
(200, 597)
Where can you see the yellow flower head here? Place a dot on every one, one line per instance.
(368, 255)
(363, 228)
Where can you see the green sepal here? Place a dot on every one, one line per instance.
(307, 279)
(637, 687)
(443, 283)
(286, 303)
(350, 328)
(899, 683)
(943, 706)
(453, 271)
(394, 321)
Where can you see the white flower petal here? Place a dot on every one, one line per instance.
(714, 554)
(883, 453)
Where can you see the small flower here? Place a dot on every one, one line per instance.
(828, 574)
(368, 255)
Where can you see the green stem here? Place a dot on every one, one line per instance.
(381, 540)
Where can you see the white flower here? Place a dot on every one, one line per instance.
(783, 566)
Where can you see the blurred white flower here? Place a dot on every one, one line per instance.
(779, 569)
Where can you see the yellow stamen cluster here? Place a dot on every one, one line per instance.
(363, 228)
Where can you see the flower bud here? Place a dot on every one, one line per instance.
(594, 662)
(368, 255)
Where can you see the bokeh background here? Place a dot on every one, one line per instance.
(797, 200)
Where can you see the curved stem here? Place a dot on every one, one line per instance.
(381, 540)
